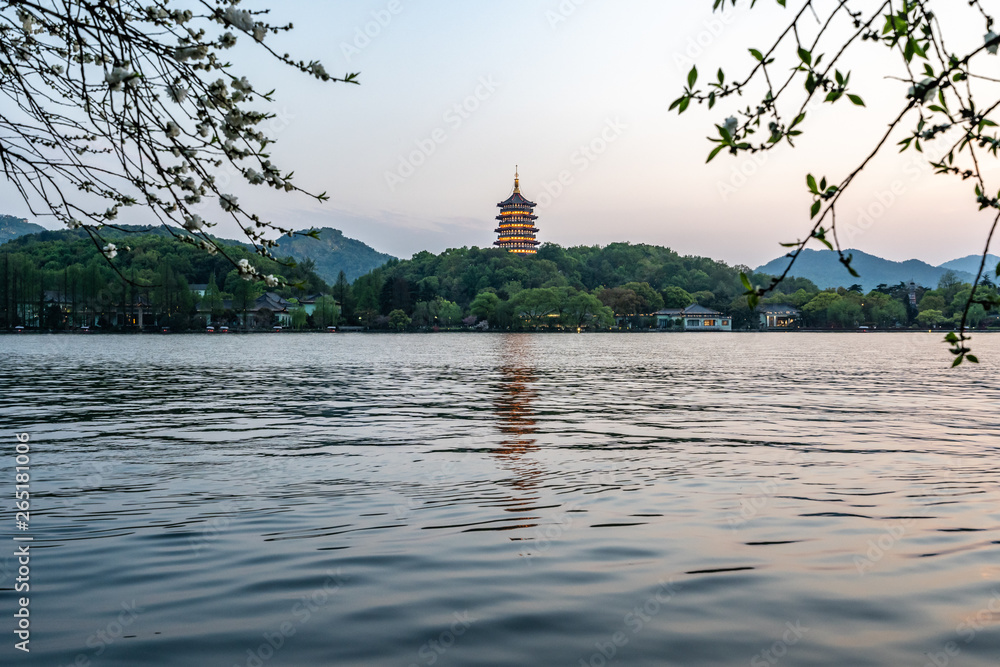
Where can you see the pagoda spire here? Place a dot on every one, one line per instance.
(517, 186)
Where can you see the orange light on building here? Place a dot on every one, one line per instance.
(517, 227)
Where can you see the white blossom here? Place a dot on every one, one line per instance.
(187, 52)
(110, 251)
(731, 124)
(259, 31)
(227, 41)
(246, 271)
(172, 129)
(193, 223)
(270, 280)
(318, 70)
(115, 77)
(177, 93)
(27, 21)
(228, 202)
(238, 18)
(74, 224)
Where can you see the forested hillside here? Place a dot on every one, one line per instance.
(332, 253)
(57, 280)
(12, 227)
(559, 286)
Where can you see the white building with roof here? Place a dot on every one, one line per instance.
(693, 318)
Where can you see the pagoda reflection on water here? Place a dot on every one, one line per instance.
(517, 223)
(515, 415)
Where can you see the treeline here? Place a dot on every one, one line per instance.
(623, 284)
(559, 287)
(61, 280)
(890, 306)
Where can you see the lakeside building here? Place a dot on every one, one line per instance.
(779, 316)
(693, 318)
(516, 231)
(267, 309)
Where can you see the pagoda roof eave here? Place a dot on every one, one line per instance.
(516, 199)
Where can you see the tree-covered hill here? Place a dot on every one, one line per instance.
(628, 280)
(12, 228)
(60, 279)
(823, 267)
(332, 253)
(970, 264)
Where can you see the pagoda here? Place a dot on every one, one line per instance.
(517, 223)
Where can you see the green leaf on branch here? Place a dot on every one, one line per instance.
(811, 183)
(692, 77)
(856, 99)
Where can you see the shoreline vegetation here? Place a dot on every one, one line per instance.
(59, 281)
(471, 332)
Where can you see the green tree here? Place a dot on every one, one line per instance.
(533, 307)
(931, 301)
(299, 317)
(816, 311)
(212, 301)
(484, 306)
(399, 320)
(244, 292)
(930, 318)
(448, 312)
(845, 313)
(676, 297)
(584, 309)
(883, 311)
(327, 313)
(650, 300)
(623, 302)
(344, 295)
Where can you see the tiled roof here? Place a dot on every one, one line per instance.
(779, 309)
(695, 309)
(516, 198)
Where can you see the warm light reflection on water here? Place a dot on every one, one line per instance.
(656, 499)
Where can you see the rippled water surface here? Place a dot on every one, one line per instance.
(646, 499)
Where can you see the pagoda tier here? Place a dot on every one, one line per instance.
(517, 227)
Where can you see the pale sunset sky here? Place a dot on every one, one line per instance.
(454, 95)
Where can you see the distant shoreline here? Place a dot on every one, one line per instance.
(31, 332)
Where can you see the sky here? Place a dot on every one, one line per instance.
(576, 94)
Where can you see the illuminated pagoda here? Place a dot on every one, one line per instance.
(517, 223)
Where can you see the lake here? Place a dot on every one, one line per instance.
(491, 499)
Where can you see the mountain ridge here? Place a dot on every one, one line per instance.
(12, 227)
(823, 267)
(332, 252)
